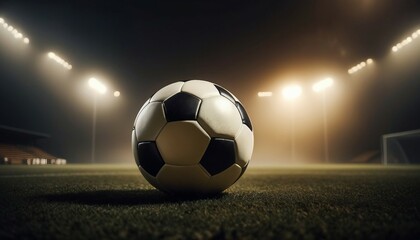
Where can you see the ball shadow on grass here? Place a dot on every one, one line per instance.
(125, 197)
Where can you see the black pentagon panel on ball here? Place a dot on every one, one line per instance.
(181, 106)
(245, 118)
(225, 93)
(219, 155)
(149, 157)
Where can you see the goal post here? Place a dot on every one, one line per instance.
(393, 149)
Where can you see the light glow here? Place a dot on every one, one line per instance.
(360, 66)
(16, 34)
(117, 93)
(59, 60)
(323, 84)
(97, 85)
(406, 41)
(291, 92)
(265, 94)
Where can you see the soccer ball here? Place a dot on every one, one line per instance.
(192, 137)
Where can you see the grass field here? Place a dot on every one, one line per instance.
(300, 202)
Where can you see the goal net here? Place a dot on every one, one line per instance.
(401, 147)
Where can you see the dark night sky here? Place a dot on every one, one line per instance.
(137, 47)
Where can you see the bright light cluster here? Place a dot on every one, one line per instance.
(291, 92)
(406, 41)
(97, 85)
(59, 60)
(265, 94)
(16, 34)
(360, 66)
(323, 84)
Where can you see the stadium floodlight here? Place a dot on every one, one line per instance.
(12, 30)
(97, 85)
(321, 87)
(59, 60)
(406, 41)
(291, 92)
(117, 93)
(360, 66)
(265, 94)
(323, 84)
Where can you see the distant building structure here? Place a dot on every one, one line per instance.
(19, 146)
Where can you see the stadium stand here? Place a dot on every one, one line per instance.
(18, 146)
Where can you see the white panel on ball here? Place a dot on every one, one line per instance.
(200, 88)
(167, 91)
(150, 121)
(182, 143)
(244, 141)
(219, 117)
(223, 180)
(141, 109)
(183, 179)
